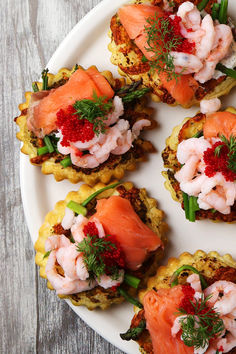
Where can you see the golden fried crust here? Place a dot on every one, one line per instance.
(144, 206)
(212, 266)
(128, 58)
(187, 129)
(114, 167)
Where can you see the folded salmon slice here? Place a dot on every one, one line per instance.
(160, 312)
(220, 123)
(182, 89)
(41, 118)
(134, 17)
(120, 220)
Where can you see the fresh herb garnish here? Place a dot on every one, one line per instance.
(223, 11)
(200, 327)
(45, 79)
(134, 332)
(226, 71)
(46, 254)
(95, 111)
(201, 6)
(144, 59)
(231, 144)
(161, 40)
(93, 249)
(66, 162)
(174, 279)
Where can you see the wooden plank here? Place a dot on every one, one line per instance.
(33, 319)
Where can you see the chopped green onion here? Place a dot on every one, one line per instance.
(213, 210)
(131, 280)
(92, 196)
(225, 70)
(215, 11)
(192, 206)
(174, 279)
(42, 150)
(198, 134)
(48, 143)
(186, 204)
(77, 208)
(134, 332)
(35, 87)
(45, 79)
(46, 254)
(66, 162)
(223, 11)
(129, 298)
(201, 6)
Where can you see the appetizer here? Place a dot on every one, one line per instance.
(182, 53)
(200, 156)
(99, 245)
(188, 307)
(84, 125)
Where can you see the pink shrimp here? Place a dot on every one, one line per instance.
(56, 241)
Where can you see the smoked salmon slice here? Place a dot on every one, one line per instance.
(120, 220)
(134, 17)
(182, 89)
(160, 312)
(220, 123)
(81, 85)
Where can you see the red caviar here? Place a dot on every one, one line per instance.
(185, 303)
(218, 162)
(185, 46)
(73, 129)
(90, 229)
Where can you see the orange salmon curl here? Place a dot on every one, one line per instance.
(220, 123)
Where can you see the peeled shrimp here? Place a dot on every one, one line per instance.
(64, 285)
(106, 281)
(68, 219)
(193, 187)
(118, 111)
(77, 228)
(224, 288)
(56, 241)
(186, 63)
(194, 281)
(230, 324)
(66, 257)
(210, 106)
(187, 172)
(213, 200)
(139, 125)
(192, 146)
(223, 40)
(204, 47)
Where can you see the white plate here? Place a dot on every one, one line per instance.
(87, 44)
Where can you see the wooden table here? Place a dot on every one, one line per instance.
(33, 319)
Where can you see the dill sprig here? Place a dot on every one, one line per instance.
(93, 248)
(231, 144)
(200, 327)
(95, 111)
(161, 40)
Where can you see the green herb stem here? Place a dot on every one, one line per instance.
(42, 150)
(35, 87)
(66, 162)
(129, 298)
(131, 280)
(46, 254)
(223, 11)
(45, 79)
(135, 95)
(198, 134)
(77, 208)
(174, 279)
(48, 143)
(134, 332)
(215, 11)
(92, 196)
(201, 6)
(226, 71)
(186, 205)
(193, 207)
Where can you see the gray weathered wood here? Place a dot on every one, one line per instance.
(32, 318)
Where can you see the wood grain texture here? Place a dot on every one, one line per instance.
(33, 319)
